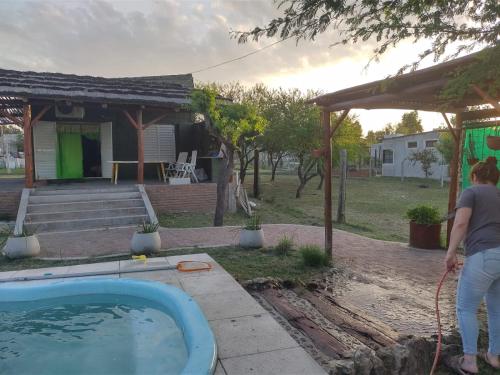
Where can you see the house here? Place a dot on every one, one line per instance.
(392, 155)
(88, 129)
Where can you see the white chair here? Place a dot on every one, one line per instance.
(187, 169)
(173, 168)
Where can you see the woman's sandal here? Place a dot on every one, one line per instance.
(455, 363)
(485, 358)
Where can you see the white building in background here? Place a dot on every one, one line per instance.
(392, 154)
(10, 157)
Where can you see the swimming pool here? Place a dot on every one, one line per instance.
(103, 326)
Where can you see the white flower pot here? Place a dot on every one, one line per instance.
(145, 243)
(21, 247)
(252, 238)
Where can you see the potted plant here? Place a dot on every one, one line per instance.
(146, 239)
(493, 142)
(425, 227)
(252, 234)
(22, 245)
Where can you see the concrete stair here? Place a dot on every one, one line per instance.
(66, 209)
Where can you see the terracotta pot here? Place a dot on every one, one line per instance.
(493, 142)
(22, 247)
(252, 238)
(145, 243)
(425, 236)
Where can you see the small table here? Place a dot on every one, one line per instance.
(160, 168)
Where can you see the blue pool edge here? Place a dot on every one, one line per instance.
(199, 338)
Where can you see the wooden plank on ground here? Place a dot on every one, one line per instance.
(322, 339)
(368, 333)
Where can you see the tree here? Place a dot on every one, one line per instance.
(462, 24)
(10, 129)
(349, 136)
(228, 123)
(304, 136)
(426, 158)
(446, 146)
(410, 124)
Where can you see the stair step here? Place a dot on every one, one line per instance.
(84, 214)
(67, 191)
(85, 205)
(83, 197)
(91, 223)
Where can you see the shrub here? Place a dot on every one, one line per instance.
(285, 246)
(424, 215)
(313, 256)
(253, 223)
(148, 227)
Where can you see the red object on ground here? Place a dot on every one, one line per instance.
(425, 236)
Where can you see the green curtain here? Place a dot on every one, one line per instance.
(475, 147)
(69, 155)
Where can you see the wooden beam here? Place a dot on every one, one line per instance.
(140, 147)
(327, 154)
(339, 121)
(450, 127)
(28, 147)
(155, 120)
(488, 98)
(480, 114)
(40, 115)
(14, 119)
(454, 177)
(130, 119)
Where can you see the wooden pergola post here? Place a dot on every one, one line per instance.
(28, 147)
(140, 147)
(454, 171)
(327, 154)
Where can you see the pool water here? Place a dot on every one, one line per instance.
(90, 334)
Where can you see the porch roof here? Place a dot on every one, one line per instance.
(157, 91)
(417, 90)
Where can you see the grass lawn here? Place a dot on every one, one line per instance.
(375, 207)
(243, 264)
(14, 173)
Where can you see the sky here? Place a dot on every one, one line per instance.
(138, 38)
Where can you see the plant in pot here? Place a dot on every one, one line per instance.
(425, 227)
(252, 234)
(146, 240)
(22, 245)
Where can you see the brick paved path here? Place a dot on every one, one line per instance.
(378, 256)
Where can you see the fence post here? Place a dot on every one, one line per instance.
(342, 187)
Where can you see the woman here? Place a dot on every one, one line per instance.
(477, 222)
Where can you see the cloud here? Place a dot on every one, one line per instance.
(136, 38)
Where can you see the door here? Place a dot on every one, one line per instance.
(69, 155)
(45, 147)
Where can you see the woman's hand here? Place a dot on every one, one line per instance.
(451, 261)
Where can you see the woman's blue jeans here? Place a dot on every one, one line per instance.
(480, 278)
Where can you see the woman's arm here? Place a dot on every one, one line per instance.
(458, 233)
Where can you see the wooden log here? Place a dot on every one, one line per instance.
(327, 154)
(28, 147)
(454, 177)
(342, 187)
(322, 339)
(367, 332)
(140, 147)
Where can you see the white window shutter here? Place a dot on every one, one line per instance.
(45, 145)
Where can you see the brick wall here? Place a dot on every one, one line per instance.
(183, 198)
(9, 203)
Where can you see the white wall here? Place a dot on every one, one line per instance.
(401, 151)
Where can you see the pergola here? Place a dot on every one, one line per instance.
(418, 90)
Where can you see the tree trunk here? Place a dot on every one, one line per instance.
(301, 187)
(222, 183)
(274, 166)
(322, 179)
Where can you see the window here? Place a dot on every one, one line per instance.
(431, 143)
(413, 144)
(387, 156)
